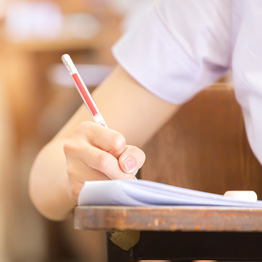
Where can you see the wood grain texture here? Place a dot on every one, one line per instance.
(168, 218)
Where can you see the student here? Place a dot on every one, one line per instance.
(177, 49)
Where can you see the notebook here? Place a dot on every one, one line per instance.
(147, 193)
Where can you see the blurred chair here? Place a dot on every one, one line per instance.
(204, 147)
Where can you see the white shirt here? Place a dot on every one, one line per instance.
(180, 47)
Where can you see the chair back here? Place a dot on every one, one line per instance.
(204, 147)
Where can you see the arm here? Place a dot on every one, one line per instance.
(86, 151)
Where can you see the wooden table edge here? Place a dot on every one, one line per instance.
(168, 218)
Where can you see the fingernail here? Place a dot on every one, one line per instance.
(129, 164)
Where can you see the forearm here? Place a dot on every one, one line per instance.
(93, 152)
(48, 182)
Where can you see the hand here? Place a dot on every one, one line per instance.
(98, 153)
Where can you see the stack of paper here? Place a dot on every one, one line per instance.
(148, 193)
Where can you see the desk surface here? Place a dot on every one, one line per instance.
(164, 218)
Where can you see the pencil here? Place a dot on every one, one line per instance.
(83, 91)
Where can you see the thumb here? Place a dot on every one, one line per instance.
(131, 159)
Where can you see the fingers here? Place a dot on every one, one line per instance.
(131, 159)
(105, 139)
(88, 157)
(106, 150)
(106, 163)
(98, 153)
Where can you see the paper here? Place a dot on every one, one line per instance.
(147, 193)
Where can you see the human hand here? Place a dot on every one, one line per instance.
(98, 153)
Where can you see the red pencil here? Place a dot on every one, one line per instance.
(83, 91)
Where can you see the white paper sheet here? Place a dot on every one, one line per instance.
(147, 193)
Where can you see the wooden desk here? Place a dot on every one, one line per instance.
(184, 233)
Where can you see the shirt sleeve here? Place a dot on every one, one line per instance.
(178, 47)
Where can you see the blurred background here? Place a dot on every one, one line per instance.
(37, 97)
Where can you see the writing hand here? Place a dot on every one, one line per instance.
(98, 153)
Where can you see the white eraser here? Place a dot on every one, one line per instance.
(68, 62)
(246, 195)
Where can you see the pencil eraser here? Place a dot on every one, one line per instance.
(246, 195)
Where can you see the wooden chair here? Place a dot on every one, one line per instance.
(204, 147)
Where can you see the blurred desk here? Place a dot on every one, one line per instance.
(24, 66)
(54, 45)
